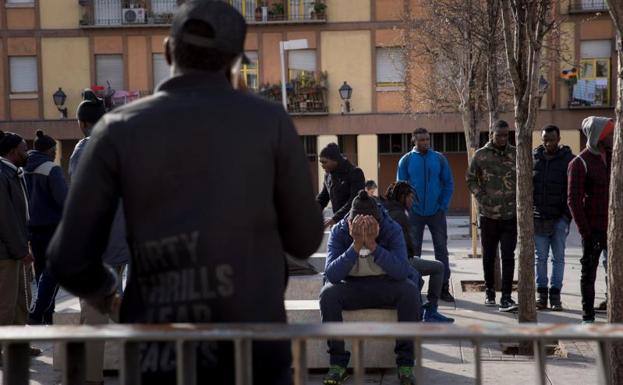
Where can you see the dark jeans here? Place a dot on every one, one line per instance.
(370, 293)
(591, 251)
(42, 309)
(494, 232)
(435, 270)
(439, 233)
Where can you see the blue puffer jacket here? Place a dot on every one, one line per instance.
(431, 178)
(47, 189)
(390, 253)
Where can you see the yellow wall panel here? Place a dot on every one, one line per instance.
(368, 156)
(56, 14)
(569, 138)
(351, 10)
(72, 75)
(138, 68)
(346, 56)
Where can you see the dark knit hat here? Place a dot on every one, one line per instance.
(90, 111)
(44, 142)
(8, 141)
(332, 151)
(363, 204)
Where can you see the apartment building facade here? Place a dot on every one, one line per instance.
(116, 47)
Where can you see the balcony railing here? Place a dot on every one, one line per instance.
(127, 13)
(16, 339)
(305, 95)
(580, 6)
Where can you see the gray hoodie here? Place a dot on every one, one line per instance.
(592, 127)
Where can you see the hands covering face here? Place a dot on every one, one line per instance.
(364, 229)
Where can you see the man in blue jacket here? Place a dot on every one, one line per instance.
(367, 267)
(47, 191)
(427, 171)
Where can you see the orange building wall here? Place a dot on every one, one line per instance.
(108, 45)
(26, 109)
(389, 9)
(271, 66)
(138, 67)
(21, 46)
(157, 43)
(309, 35)
(597, 29)
(389, 101)
(20, 18)
(250, 43)
(388, 38)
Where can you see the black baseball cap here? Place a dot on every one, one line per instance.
(228, 24)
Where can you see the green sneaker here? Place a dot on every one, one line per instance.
(336, 375)
(405, 375)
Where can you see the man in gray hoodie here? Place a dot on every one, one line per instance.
(587, 197)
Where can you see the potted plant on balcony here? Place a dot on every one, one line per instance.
(320, 10)
(278, 11)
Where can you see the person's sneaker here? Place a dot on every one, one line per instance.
(446, 296)
(602, 308)
(405, 375)
(432, 315)
(335, 376)
(507, 304)
(490, 298)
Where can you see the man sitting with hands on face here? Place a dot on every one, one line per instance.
(367, 267)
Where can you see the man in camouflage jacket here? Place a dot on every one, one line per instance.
(491, 178)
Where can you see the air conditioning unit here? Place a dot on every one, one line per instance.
(133, 16)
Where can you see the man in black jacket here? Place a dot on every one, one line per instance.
(551, 214)
(342, 182)
(200, 254)
(14, 250)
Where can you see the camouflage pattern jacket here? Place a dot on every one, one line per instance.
(491, 177)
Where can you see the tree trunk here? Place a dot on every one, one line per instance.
(615, 212)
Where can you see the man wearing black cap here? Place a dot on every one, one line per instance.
(47, 191)
(367, 267)
(14, 250)
(342, 181)
(200, 254)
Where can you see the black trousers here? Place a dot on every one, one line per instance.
(591, 251)
(494, 233)
(374, 292)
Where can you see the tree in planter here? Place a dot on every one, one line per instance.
(320, 9)
(525, 25)
(278, 11)
(615, 217)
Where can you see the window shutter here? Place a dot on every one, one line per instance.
(390, 65)
(20, 1)
(23, 74)
(109, 68)
(162, 71)
(595, 48)
(302, 60)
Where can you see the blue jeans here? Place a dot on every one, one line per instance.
(556, 241)
(439, 233)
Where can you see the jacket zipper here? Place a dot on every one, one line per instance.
(425, 182)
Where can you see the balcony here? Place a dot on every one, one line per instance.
(159, 13)
(587, 6)
(306, 94)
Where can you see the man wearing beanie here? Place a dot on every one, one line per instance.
(14, 251)
(587, 196)
(47, 192)
(342, 181)
(367, 267)
(184, 232)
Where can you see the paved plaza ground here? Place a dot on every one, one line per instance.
(453, 363)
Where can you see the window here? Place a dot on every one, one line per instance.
(163, 6)
(310, 144)
(108, 12)
(161, 69)
(109, 70)
(20, 1)
(249, 71)
(23, 72)
(394, 143)
(301, 63)
(390, 66)
(593, 84)
(300, 9)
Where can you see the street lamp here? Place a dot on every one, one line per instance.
(288, 45)
(346, 92)
(59, 100)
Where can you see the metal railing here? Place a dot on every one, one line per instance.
(16, 340)
(115, 12)
(579, 6)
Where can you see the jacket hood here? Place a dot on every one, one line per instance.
(562, 151)
(592, 127)
(35, 159)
